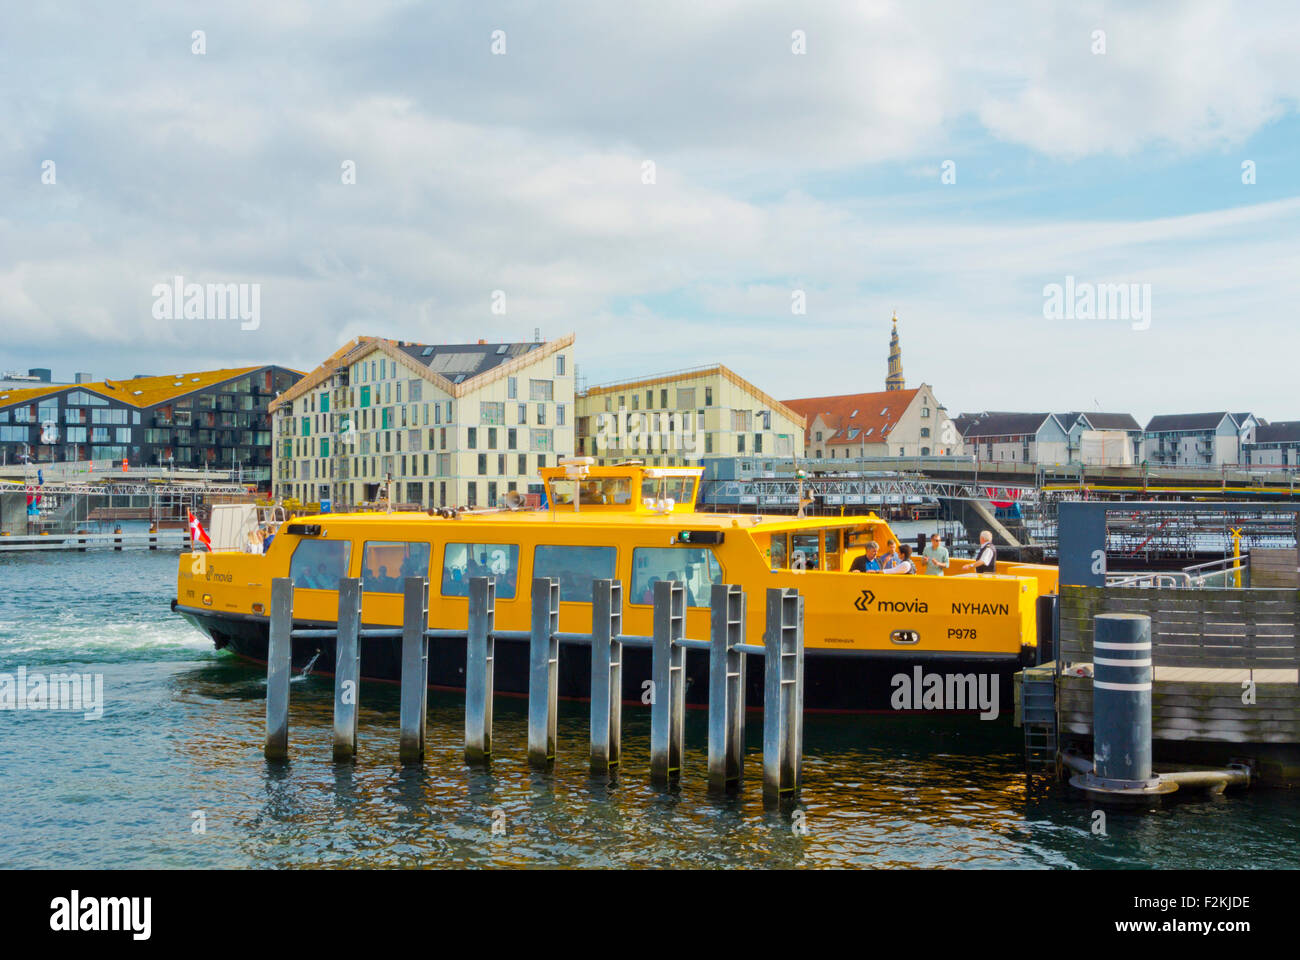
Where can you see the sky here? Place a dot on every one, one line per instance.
(677, 183)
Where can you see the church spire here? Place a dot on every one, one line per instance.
(895, 379)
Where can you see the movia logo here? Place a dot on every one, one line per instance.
(868, 597)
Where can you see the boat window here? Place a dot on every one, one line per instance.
(679, 489)
(384, 566)
(778, 551)
(319, 564)
(462, 561)
(696, 567)
(575, 568)
(832, 549)
(807, 544)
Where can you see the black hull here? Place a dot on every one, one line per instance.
(834, 681)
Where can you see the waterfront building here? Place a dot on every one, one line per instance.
(446, 424)
(213, 419)
(1016, 437)
(1112, 439)
(683, 417)
(1193, 439)
(888, 423)
(1274, 444)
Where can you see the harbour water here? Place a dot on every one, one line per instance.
(178, 748)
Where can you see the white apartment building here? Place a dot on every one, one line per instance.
(444, 424)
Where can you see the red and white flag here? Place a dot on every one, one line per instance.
(197, 533)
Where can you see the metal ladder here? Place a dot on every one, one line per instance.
(1038, 716)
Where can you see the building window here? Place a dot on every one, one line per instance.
(492, 412)
(472, 442)
(559, 414)
(708, 396)
(482, 464)
(685, 398)
(512, 388)
(559, 365)
(541, 390)
(512, 441)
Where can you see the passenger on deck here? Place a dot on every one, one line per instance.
(890, 556)
(986, 560)
(867, 563)
(905, 564)
(936, 556)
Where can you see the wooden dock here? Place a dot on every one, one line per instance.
(1226, 676)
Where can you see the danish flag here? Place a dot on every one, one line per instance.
(197, 533)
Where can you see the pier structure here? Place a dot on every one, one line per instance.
(782, 652)
(1220, 662)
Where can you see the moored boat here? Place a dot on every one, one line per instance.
(873, 642)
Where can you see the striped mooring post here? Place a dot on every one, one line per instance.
(1121, 712)
(347, 669)
(413, 713)
(278, 666)
(543, 672)
(480, 662)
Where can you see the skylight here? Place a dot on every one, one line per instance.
(853, 414)
(503, 348)
(427, 352)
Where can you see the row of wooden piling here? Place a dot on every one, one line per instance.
(782, 651)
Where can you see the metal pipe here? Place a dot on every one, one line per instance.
(347, 669)
(414, 709)
(726, 688)
(668, 682)
(480, 660)
(606, 674)
(783, 693)
(278, 664)
(543, 673)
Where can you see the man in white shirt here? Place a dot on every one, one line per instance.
(986, 559)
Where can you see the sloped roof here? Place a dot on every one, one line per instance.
(871, 415)
(456, 369)
(1000, 424)
(138, 392)
(694, 373)
(1111, 421)
(1167, 422)
(1283, 431)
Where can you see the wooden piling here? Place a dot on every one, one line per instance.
(543, 671)
(668, 675)
(414, 710)
(278, 657)
(480, 653)
(606, 675)
(347, 669)
(726, 688)
(783, 693)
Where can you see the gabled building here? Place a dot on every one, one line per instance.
(214, 419)
(679, 419)
(444, 424)
(888, 423)
(1037, 438)
(1192, 439)
(1102, 438)
(1274, 445)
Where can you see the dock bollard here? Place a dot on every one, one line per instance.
(783, 692)
(543, 671)
(606, 674)
(413, 714)
(668, 676)
(726, 687)
(278, 657)
(480, 655)
(347, 669)
(1121, 712)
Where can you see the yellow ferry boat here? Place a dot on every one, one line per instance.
(636, 524)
